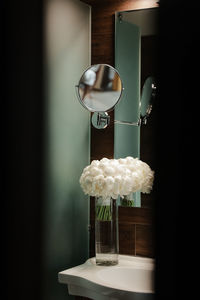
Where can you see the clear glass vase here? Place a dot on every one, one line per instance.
(106, 231)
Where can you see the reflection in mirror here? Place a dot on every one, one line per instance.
(100, 88)
(149, 68)
(145, 103)
(147, 98)
(136, 59)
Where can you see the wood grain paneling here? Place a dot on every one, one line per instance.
(102, 141)
(144, 240)
(136, 231)
(127, 239)
(136, 215)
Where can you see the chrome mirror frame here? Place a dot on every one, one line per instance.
(101, 119)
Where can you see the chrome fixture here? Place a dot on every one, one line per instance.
(100, 89)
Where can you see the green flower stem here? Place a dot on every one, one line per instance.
(103, 213)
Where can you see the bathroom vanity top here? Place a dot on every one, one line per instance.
(132, 278)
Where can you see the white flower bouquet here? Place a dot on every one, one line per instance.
(113, 177)
(116, 177)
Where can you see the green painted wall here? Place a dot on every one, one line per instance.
(67, 38)
(127, 62)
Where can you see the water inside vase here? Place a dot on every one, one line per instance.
(106, 237)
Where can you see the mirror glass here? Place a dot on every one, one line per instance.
(136, 56)
(100, 88)
(147, 97)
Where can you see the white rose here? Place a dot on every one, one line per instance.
(121, 170)
(128, 172)
(104, 160)
(109, 183)
(87, 173)
(87, 183)
(132, 167)
(148, 183)
(136, 182)
(129, 160)
(127, 185)
(95, 171)
(117, 182)
(86, 169)
(114, 163)
(122, 161)
(103, 165)
(95, 163)
(109, 171)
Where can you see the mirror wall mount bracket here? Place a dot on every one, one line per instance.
(100, 120)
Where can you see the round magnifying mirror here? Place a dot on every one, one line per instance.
(100, 88)
(148, 95)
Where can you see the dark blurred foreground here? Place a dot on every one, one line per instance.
(22, 144)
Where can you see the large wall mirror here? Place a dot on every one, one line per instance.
(136, 36)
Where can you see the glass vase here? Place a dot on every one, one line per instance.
(106, 231)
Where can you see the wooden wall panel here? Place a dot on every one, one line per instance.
(127, 239)
(137, 214)
(144, 240)
(136, 231)
(102, 141)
